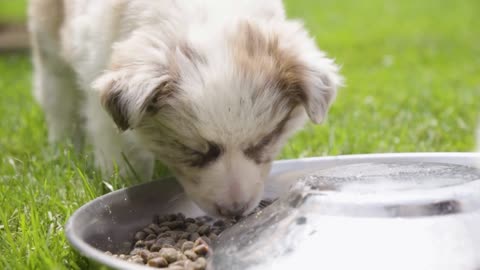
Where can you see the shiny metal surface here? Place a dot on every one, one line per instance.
(393, 215)
(108, 222)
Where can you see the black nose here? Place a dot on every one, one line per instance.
(233, 210)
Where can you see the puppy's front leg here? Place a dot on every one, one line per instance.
(56, 91)
(113, 148)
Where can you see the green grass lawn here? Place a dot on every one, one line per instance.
(12, 10)
(412, 73)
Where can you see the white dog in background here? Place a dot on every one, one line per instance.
(211, 88)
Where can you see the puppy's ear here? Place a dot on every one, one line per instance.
(142, 77)
(128, 98)
(306, 73)
(312, 81)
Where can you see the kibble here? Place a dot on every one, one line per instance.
(163, 229)
(184, 235)
(149, 231)
(151, 255)
(149, 243)
(170, 254)
(187, 245)
(176, 242)
(181, 256)
(140, 235)
(204, 229)
(136, 251)
(140, 244)
(154, 227)
(151, 237)
(189, 220)
(136, 259)
(192, 228)
(166, 241)
(194, 236)
(158, 262)
(180, 243)
(200, 263)
(219, 223)
(165, 234)
(191, 255)
(201, 250)
(156, 247)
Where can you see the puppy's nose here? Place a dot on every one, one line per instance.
(232, 210)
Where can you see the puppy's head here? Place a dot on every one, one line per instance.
(217, 110)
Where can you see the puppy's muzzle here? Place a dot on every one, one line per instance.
(232, 210)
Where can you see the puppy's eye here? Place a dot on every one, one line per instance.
(201, 160)
(255, 152)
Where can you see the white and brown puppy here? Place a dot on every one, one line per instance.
(211, 88)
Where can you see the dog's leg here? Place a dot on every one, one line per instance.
(56, 91)
(54, 82)
(114, 149)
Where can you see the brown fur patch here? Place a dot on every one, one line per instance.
(113, 102)
(116, 104)
(259, 53)
(159, 97)
(256, 53)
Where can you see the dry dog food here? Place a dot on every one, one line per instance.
(176, 242)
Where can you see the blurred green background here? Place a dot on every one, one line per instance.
(12, 10)
(412, 72)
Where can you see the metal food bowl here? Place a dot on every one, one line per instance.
(379, 211)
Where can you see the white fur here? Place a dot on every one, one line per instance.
(128, 48)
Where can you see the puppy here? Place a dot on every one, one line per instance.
(211, 88)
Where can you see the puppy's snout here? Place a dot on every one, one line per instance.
(232, 210)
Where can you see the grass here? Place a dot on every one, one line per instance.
(12, 10)
(411, 70)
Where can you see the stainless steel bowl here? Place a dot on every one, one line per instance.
(108, 223)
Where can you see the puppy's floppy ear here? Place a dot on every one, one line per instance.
(142, 76)
(306, 72)
(313, 82)
(140, 82)
(128, 102)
